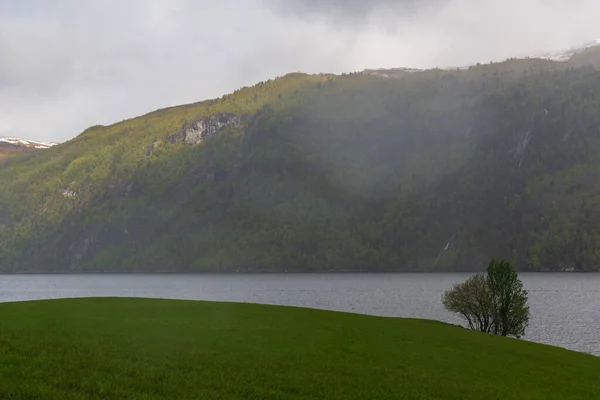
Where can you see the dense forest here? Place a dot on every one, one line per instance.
(416, 170)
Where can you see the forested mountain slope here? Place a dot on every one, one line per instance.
(427, 170)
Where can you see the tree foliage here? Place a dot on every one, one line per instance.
(496, 303)
(509, 299)
(473, 301)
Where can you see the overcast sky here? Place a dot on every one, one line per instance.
(69, 64)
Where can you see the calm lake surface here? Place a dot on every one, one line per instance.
(565, 307)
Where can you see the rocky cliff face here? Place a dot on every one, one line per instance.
(206, 127)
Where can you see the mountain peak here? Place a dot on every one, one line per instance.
(25, 143)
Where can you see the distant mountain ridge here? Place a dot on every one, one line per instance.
(565, 55)
(438, 170)
(18, 142)
(13, 145)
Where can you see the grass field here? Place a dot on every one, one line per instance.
(167, 349)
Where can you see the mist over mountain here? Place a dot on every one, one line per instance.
(395, 170)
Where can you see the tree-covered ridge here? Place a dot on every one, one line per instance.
(433, 170)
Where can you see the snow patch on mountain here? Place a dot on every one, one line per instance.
(26, 143)
(565, 55)
(561, 56)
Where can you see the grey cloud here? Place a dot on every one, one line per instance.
(79, 63)
(352, 13)
(352, 8)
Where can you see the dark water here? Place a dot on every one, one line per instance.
(565, 308)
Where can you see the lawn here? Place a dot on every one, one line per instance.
(105, 348)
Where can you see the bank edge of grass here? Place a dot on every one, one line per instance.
(163, 349)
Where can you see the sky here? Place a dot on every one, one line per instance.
(66, 65)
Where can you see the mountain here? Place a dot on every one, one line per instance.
(568, 54)
(10, 145)
(404, 170)
(24, 143)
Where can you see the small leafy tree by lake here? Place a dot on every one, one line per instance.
(511, 312)
(496, 303)
(472, 300)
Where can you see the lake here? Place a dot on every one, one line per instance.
(565, 307)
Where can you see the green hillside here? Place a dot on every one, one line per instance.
(431, 170)
(169, 349)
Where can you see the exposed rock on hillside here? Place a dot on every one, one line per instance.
(206, 127)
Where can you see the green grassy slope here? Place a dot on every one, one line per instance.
(434, 170)
(164, 349)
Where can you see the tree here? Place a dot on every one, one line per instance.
(496, 303)
(511, 312)
(473, 300)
